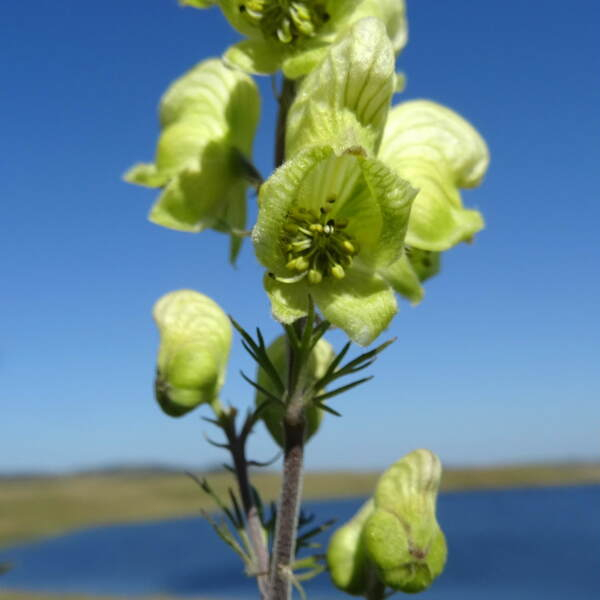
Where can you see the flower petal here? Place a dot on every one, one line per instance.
(438, 152)
(208, 118)
(425, 129)
(346, 556)
(437, 220)
(352, 88)
(402, 536)
(198, 197)
(146, 174)
(198, 3)
(289, 301)
(407, 273)
(394, 197)
(195, 339)
(258, 56)
(391, 12)
(362, 304)
(403, 278)
(231, 11)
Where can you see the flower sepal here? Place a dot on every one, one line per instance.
(195, 339)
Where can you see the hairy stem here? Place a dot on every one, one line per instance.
(284, 545)
(294, 424)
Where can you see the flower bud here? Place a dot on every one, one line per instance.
(346, 555)
(402, 537)
(195, 338)
(272, 415)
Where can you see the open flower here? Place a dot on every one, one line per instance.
(334, 215)
(208, 119)
(294, 35)
(195, 339)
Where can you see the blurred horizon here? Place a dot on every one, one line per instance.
(498, 365)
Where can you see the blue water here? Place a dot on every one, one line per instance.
(539, 544)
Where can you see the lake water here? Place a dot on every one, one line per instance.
(541, 544)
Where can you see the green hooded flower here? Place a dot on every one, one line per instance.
(394, 540)
(438, 152)
(349, 565)
(402, 537)
(272, 416)
(195, 339)
(334, 215)
(208, 120)
(294, 35)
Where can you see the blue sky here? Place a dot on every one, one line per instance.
(499, 363)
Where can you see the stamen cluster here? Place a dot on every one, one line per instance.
(316, 245)
(285, 20)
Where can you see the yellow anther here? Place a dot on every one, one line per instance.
(314, 245)
(314, 276)
(348, 247)
(338, 271)
(301, 264)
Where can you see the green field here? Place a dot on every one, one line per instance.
(36, 507)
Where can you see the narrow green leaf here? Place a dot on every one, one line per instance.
(261, 389)
(319, 399)
(368, 355)
(333, 366)
(247, 337)
(328, 409)
(224, 533)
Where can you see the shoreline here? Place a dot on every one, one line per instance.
(37, 507)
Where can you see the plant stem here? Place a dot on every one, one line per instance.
(237, 449)
(284, 545)
(286, 97)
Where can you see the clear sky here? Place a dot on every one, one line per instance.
(498, 364)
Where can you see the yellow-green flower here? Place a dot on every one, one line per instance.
(208, 120)
(334, 215)
(195, 339)
(294, 35)
(320, 358)
(402, 536)
(394, 540)
(349, 565)
(438, 152)
(336, 220)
